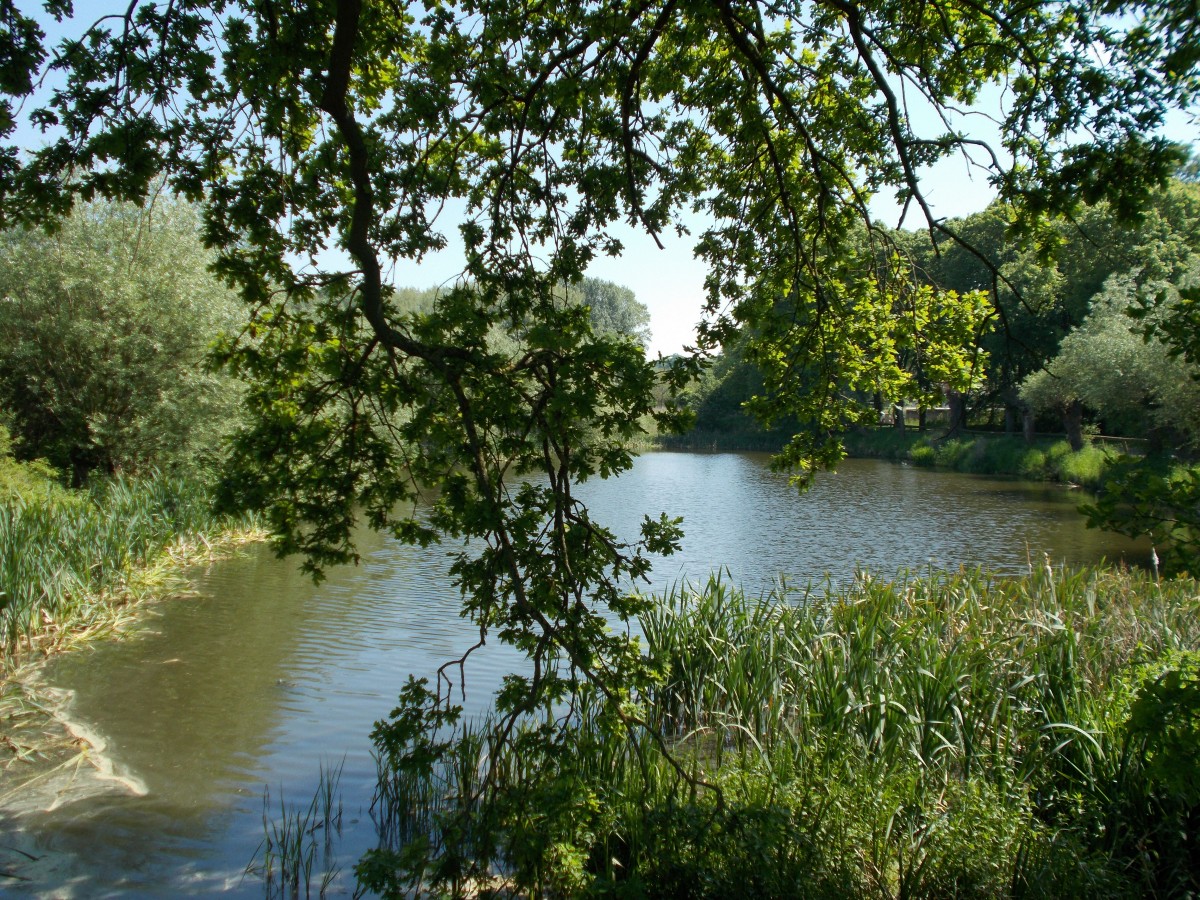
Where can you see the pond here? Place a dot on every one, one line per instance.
(260, 678)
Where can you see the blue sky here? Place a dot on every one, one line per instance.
(670, 281)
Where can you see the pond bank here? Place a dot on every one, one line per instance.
(34, 737)
(1046, 459)
(955, 734)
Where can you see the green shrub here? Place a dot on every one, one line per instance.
(25, 481)
(1030, 463)
(1057, 451)
(1084, 467)
(949, 736)
(955, 454)
(923, 455)
(105, 327)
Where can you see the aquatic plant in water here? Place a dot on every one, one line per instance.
(296, 839)
(953, 734)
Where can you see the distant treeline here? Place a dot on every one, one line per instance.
(1071, 342)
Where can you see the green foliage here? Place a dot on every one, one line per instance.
(25, 481)
(1156, 498)
(921, 344)
(1088, 467)
(923, 455)
(65, 554)
(1164, 720)
(1045, 460)
(104, 327)
(720, 397)
(1133, 381)
(355, 125)
(949, 736)
(1041, 301)
(615, 310)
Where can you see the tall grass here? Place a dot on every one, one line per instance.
(952, 735)
(64, 555)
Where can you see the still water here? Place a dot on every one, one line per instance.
(260, 678)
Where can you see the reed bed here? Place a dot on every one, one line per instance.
(72, 565)
(67, 559)
(945, 735)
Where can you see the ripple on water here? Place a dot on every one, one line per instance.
(265, 677)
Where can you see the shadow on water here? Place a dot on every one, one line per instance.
(262, 678)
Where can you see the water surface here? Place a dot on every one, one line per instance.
(262, 677)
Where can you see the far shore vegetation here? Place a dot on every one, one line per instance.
(1046, 458)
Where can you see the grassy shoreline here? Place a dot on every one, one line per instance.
(1046, 459)
(947, 735)
(78, 566)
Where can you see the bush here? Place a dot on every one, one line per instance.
(923, 455)
(104, 329)
(955, 454)
(1085, 467)
(24, 482)
(1031, 463)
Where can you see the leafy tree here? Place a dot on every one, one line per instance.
(1133, 382)
(354, 122)
(720, 396)
(1026, 292)
(615, 310)
(104, 328)
(1039, 300)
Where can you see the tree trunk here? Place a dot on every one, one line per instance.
(898, 417)
(1011, 416)
(1073, 423)
(958, 412)
(1027, 423)
(921, 411)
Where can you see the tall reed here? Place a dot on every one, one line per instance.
(952, 734)
(300, 838)
(63, 554)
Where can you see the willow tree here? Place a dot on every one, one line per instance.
(324, 141)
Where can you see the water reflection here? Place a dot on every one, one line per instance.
(741, 515)
(263, 676)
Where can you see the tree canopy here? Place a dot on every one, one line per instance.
(349, 127)
(1131, 380)
(104, 330)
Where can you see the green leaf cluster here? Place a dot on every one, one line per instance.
(104, 330)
